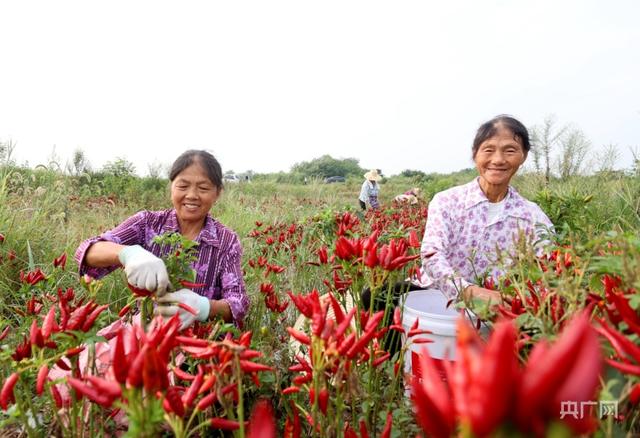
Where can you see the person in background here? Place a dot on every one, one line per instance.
(196, 184)
(410, 197)
(469, 225)
(369, 191)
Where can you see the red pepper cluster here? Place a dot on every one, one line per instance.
(623, 325)
(486, 389)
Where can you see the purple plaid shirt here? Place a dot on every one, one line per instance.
(217, 266)
(460, 242)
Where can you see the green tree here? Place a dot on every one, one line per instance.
(326, 166)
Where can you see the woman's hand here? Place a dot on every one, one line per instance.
(491, 296)
(144, 270)
(187, 304)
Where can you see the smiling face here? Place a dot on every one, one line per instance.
(193, 194)
(497, 160)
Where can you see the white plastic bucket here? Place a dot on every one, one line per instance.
(430, 308)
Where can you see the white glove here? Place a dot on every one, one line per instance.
(168, 305)
(144, 270)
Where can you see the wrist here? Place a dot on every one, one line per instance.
(204, 308)
(467, 291)
(220, 309)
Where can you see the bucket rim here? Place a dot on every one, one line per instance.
(437, 316)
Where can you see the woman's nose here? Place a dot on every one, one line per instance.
(192, 192)
(498, 157)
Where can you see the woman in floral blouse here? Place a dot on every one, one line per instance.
(469, 226)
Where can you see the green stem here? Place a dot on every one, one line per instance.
(240, 395)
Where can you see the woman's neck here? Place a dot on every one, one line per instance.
(494, 193)
(190, 230)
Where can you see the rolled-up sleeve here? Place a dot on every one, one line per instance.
(436, 268)
(233, 288)
(129, 232)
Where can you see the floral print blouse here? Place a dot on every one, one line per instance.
(462, 244)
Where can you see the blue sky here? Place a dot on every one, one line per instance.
(266, 84)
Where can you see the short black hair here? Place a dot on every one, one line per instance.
(490, 128)
(206, 160)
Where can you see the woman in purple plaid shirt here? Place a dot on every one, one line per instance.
(196, 184)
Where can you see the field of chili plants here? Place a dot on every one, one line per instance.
(562, 357)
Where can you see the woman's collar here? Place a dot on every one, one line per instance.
(208, 234)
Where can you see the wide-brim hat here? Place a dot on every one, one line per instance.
(373, 175)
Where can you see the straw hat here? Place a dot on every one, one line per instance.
(373, 175)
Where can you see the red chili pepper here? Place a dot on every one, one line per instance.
(134, 373)
(78, 317)
(364, 433)
(323, 400)
(290, 390)
(138, 292)
(386, 432)
(191, 393)
(108, 387)
(621, 344)
(63, 365)
(74, 351)
(432, 401)
(299, 336)
(262, 423)
(634, 394)
(628, 314)
(349, 432)
(82, 389)
(206, 401)
(346, 323)
(91, 318)
(252, 367)
(193, 342)
(55, 394)
(172, 397)
(495, 380)
(183, 375)
(319, 315)
(337, 309)
(381, 359)
(292, 428)
(40, 379)
(626, 368)
(120, 365)
(209, 381)
(224, 424)
(191, 285)
(6, 394)
(302, 379)
(5, 332)
(36, 335)
(154, 372)
(60, 261)
(49, 323)
(124, 310)
(347, 343)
